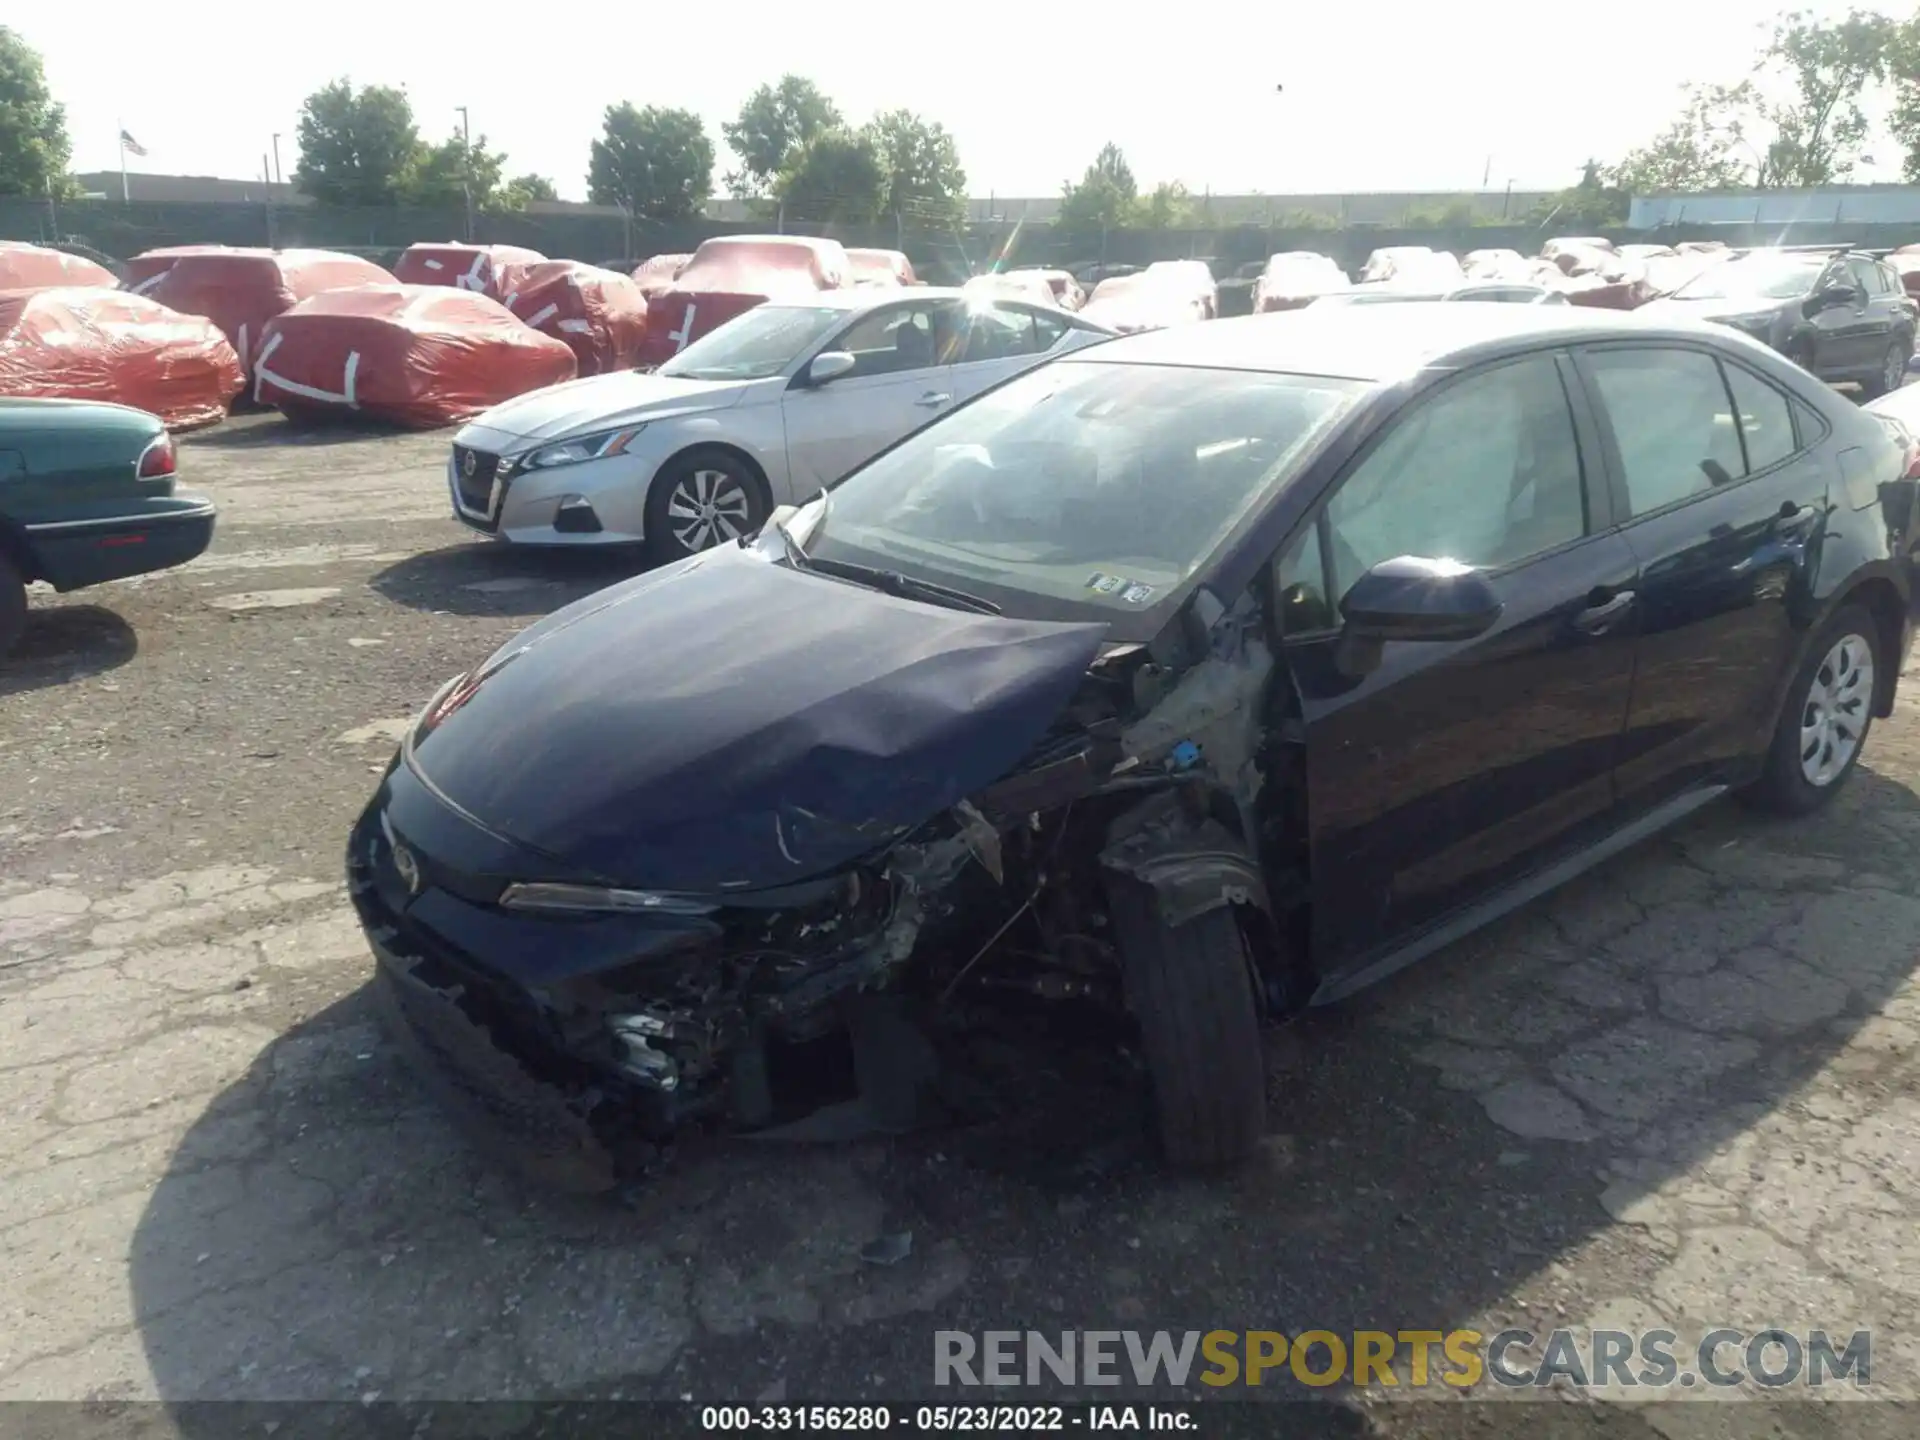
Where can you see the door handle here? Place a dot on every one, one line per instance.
(1606, 607)
(933, 398)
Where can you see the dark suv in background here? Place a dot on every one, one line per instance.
(1840, 314)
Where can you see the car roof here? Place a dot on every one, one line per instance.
(1378, 342)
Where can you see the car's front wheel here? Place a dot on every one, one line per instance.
(702, 499)
(13, 604)
(1190, 988)
(1823, 725)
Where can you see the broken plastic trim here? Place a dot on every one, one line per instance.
(599, 900)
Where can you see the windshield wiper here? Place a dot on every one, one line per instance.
(906, 587)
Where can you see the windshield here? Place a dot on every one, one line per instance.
(1755, 277)
(1100, 488)
(761, 343)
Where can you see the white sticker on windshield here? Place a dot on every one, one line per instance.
(1104, 584)
(1136, 594)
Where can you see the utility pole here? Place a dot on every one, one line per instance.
(466, 167)
(276, 160)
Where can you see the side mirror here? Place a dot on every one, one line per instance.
(1412, 598)
(829, 365)
(1828, 296)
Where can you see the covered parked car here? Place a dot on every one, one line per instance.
(145, 269)
(36, 267)
(1128, 304)
(1188, 649)
(880, 267)
(764, 411)
(241, 290)
(1028, 285)
(600, 315)
(731, 274)
(1420, 264)
(1067, 293)
(1294, 279)
(1189, 279)
(657, 273)
(117, 347)
(490, 270)
(1840, 314)
(87, 495)
(417, 355)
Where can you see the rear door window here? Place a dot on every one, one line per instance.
(1765, 417)
(1672, 422)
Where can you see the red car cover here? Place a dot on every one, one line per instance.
(145, 269)
(880, 267)
(419, 355)
(34, 267)
(113, 345)
(731, 274)
(1131, 303)
(658, 273)
(240, 290)
(598, 314)
(493, 270)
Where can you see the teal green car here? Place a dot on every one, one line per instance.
(87, 495)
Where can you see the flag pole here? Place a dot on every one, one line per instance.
(126, 197)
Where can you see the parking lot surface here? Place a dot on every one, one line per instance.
(1685, 1091)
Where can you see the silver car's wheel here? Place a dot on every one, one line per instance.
(1833, 721)
(707, 508)
(1893, 373)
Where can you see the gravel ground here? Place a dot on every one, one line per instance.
(1682, 1091)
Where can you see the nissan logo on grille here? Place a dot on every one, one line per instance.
(470, 464)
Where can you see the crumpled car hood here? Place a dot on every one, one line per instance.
(730, 723)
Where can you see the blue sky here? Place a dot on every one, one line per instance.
(1381, 97)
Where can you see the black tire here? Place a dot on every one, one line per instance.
(1892, 373)
(1191, 991)
(1784, 787)
(13, 604)
(720, 474)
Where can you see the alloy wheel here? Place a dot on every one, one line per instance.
(1833, 720)
(707, 508)
(1894, 373)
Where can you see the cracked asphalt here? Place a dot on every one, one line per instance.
(1683, 1092)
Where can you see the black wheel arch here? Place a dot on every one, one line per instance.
(15, 546)
(1881, 598)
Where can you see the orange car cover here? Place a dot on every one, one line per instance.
(493, 270)
(113, 345)
(240, 290)
(34, 267)
(418, 355)
(731, 274)
(146, 268)
(658, 273)
(598, 314)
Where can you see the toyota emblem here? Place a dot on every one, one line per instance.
(469, 465)
(408, 867)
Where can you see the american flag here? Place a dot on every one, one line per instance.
(131, 145)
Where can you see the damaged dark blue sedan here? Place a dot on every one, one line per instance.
(1205, 676)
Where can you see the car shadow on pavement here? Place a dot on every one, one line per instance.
(484, 578)
(248, 427)
(1614, 1098)
(64, 643)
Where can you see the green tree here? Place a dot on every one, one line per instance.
(357, 147)
(656, 162)
(1594, 204)
(773, 123)
(1169, 207)
(925, 178)
(1104, 198)
(1705, 147)
(529, 188)
(442, 175)
(1819, 129)
(839, 176)
(34, 147)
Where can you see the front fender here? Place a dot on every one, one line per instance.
(1192, 863)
